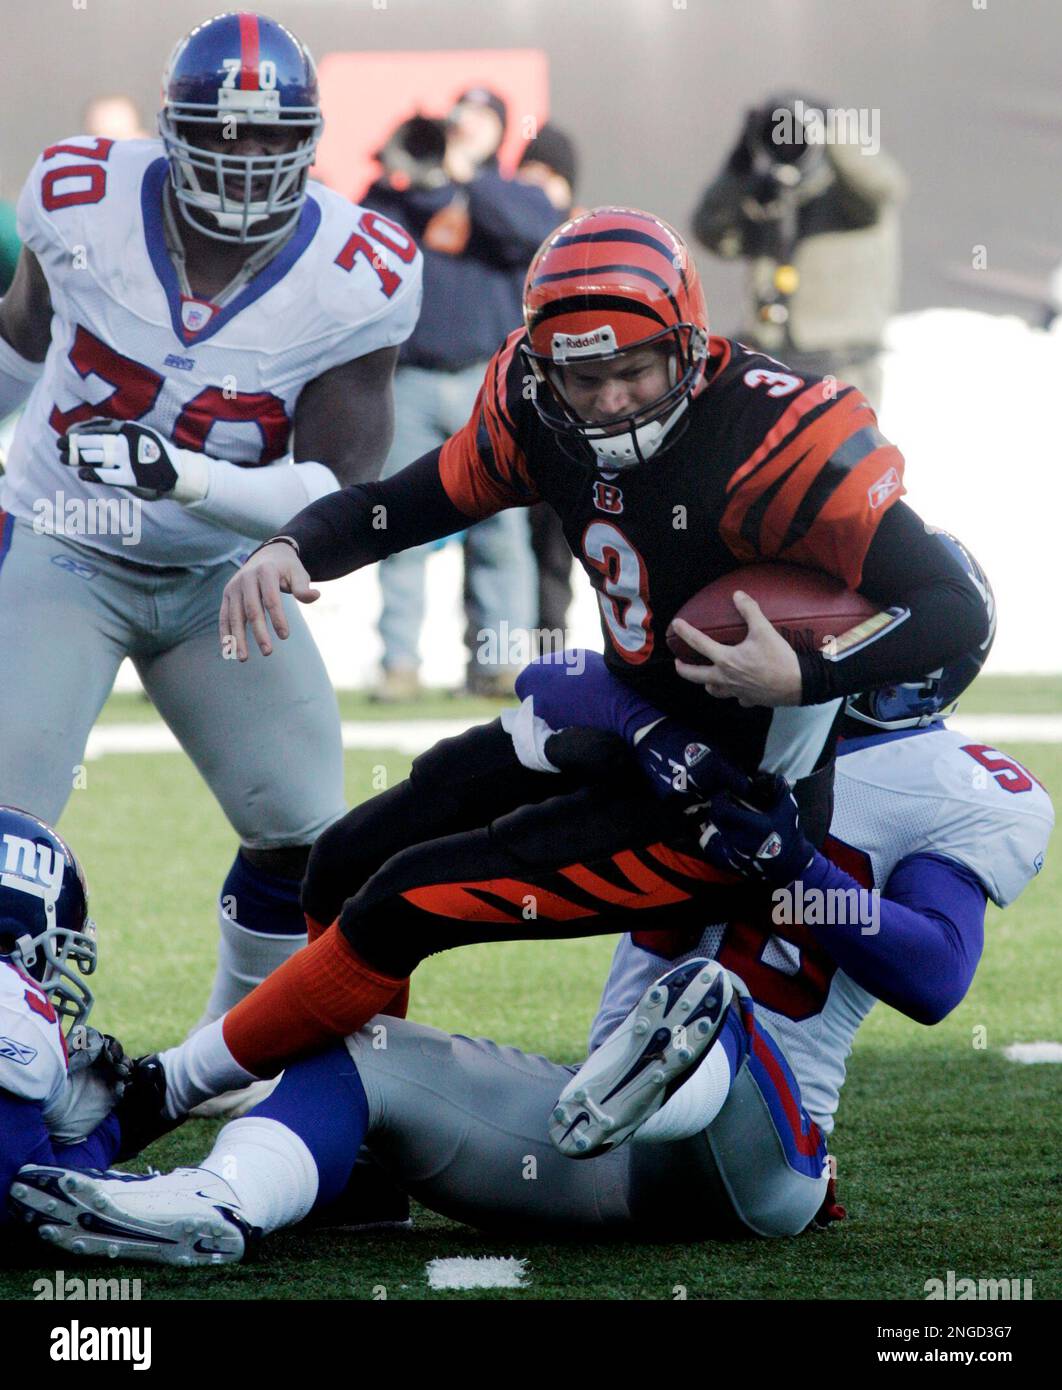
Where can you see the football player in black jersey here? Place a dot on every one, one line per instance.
(672, 457)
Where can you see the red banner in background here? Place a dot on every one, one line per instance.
(366, 95)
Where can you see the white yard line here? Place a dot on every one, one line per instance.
(413, 736)
(1034, 1052)
(1010, 728)
(410, 736)
(476, 1272)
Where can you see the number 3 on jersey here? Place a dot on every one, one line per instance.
(624, 592)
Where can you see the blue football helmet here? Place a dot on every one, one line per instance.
(233, 73)
(914, 704)
(45, 929)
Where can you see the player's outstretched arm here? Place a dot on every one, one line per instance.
(255, 592)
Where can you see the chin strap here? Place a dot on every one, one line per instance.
(255, 262)
(633, 447)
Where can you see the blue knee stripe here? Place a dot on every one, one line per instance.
(734, 1040)
(803, 1143)
(322, 1100)
(262, 902)
(7, 529)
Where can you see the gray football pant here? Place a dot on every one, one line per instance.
(461, 1123)
(265, 734)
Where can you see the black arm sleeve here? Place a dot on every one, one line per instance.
(906, 567)
(359, 525)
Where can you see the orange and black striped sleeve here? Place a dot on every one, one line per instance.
(482, 467)
(814, 489)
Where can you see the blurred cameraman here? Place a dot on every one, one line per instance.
(816, 217)
(478, 232)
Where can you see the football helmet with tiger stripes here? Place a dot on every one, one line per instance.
(609, 282)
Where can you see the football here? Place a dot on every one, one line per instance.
(806, 606)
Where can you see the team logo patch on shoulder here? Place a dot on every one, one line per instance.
(18, 1052)
(608, 498)
(883, 489)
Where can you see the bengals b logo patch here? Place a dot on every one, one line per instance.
(608, 498)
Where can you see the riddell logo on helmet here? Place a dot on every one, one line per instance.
(601, 340)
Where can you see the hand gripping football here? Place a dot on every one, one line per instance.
(812, 611)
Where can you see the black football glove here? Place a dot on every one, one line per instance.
(759, 838)
(141, 1111)
(88, 1047)
(120, 455)
(589, 754)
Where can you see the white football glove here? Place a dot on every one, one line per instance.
(98, 1071)
(124, 454)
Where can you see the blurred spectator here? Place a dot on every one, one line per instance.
(815, 217)
(10, 246)
(550, 162)
(114, 117)
(478, 231)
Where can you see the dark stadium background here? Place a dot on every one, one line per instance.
(970, 101)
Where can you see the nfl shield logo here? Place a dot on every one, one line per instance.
(195, 314)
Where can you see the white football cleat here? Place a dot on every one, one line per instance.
(643, 1061)
(187, 1217)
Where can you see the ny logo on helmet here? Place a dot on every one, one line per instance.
(31, 868)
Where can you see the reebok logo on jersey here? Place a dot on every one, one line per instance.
(16, 1052)
(182, 364)
(883, 489)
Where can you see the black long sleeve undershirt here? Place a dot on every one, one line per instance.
(359, 525)
(905, 567)
(908, 567)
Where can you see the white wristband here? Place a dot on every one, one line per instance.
(18, 376)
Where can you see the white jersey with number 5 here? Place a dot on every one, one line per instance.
(928, 791)
(127, 345)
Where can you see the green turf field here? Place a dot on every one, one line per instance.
(948, 1153)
